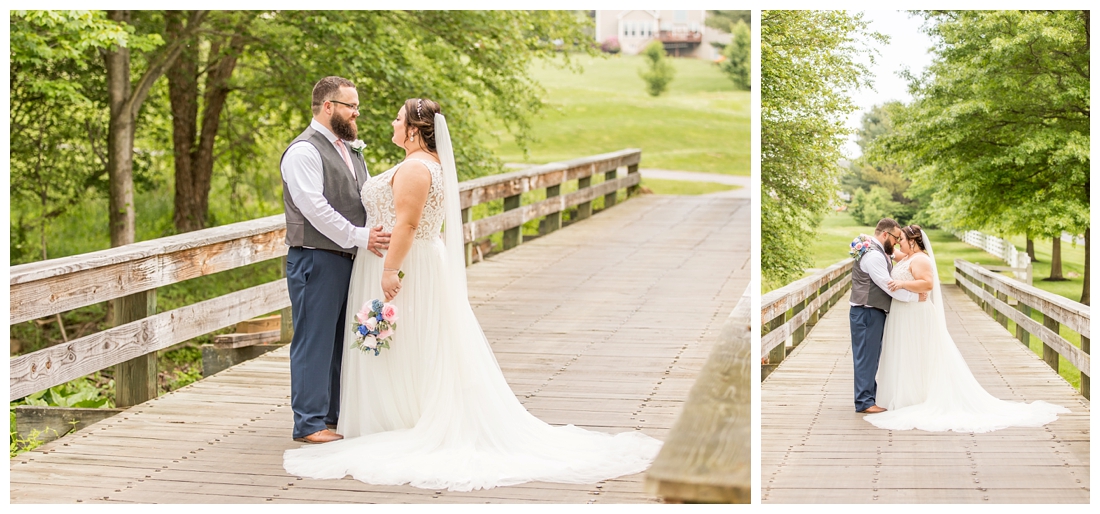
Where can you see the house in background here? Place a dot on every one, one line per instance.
(683, 32)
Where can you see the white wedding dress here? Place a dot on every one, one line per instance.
(434, 410)
(925, 384)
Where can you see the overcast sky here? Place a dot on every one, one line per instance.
(908, 48)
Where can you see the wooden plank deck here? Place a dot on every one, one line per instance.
(816, 449)
(603, 324)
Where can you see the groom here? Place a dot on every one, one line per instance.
(325, 224)
(870, 301)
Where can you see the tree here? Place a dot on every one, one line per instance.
(722, 20)
(810, 62)
(125, 99)
(58, 116)
(659, 71)
(874, 169)
(738, 54)
(1000, 120)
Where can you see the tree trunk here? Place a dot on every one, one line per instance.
(1085, 288)
(120, 141)
(1056, 259)
(183, 95)
(193, 176)
(1031, 248)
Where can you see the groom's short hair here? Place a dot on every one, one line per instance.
(885, 224)
(325, 89)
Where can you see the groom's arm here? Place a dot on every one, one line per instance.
(301, 169)
(880, 275)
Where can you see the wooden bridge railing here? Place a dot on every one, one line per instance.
(996, 294)
(129, 275)
(707, 455)
(1017, 262)
(792, 310)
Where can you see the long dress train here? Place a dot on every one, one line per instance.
(924, 382)
(434, 410)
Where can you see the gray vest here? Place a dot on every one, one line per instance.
(339, 189)
(864, 290)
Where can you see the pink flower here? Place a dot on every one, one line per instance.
(371, 322)
(364, 313)
(384, 334)
(389, 312)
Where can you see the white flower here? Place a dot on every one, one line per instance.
(357, 146)
(370, 342)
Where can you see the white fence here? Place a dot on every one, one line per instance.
(1018, 262)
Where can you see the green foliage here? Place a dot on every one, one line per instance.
(722, 20)
(868, 207)
(810, 62)
(83, 392)
(1001, 118)
(658, 72)
(19, 444)
(738, 54)
(700, 124)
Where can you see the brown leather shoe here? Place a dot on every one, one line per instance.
(320, 436)
(872, 410)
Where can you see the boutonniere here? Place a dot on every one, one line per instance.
(357, 146)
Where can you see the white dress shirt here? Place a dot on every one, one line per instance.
(302, 171)
(874, 264)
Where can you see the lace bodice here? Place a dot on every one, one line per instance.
(377, 195)
(901, 270)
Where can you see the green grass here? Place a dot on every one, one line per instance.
(684, 187)
(700, 124)
(830, 245)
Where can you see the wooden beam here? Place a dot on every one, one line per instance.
(64, 362)
(1073, 315)
(1072, 354)
(485, 189)
(707, 455)
(44, 288)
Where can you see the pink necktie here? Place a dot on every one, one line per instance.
(344, 153)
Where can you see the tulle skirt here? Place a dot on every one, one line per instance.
(924, 382)
(435, 411)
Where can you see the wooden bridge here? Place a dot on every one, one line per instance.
(605, 324)
(816, 449)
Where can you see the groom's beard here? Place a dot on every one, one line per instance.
(344, 128)
(888, 247)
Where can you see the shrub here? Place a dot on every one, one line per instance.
(611, 45)
(659, 72)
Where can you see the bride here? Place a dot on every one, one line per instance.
(434, 410)
(923, 381)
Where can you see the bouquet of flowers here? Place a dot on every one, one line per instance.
(374, 326)
(859, 246)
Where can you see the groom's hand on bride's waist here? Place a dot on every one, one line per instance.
(379, 240)
(923, 296)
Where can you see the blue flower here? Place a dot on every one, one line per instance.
(362, 330)
(379, 316)
(376, 306)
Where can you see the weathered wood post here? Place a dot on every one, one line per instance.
(609, 198)
(800, 332)
(1085, 386)
(552, 221)
(469, 246)
(135, 379)
(777, 354)
(1050, 355)
(816, 315)
(632, 190)
(513, 236)
(1000, 317)
(1022, 334)
(584, 209)
(286, 316)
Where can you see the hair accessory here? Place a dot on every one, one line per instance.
(418, 113)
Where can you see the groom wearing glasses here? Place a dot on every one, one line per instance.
(870, 302)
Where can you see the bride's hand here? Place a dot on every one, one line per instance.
(391, 284)
(893, 285)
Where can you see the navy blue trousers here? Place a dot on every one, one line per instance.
(318, 284)
(867, 324)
